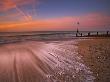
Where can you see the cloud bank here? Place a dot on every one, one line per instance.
(87, 22)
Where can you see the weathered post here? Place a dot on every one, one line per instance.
(77, 32)
(76, 35)
(107, 33)
(81, 34)
(88, 33)
(97, 33)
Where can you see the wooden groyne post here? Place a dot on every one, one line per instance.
(81, 34)
(97, 33)
(89, 34)
(76, 35)
(107, 33)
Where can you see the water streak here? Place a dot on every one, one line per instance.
(43, 62)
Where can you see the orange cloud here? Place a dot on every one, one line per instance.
(6, 5)
(9, 4)
(90, 21)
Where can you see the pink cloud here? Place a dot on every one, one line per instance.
(7, 5)
(10, 4)
(87, 22)
(95, 20)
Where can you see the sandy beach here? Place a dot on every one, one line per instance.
(96, 55)
(76, 60)
(33, 61)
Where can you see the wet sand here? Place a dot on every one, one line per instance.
(34, 61)
(96, 55)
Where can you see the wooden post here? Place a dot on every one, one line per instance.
(81, 34)
(107, 33)
(97, 33)
(89, 34)
(76, 35)
(77, 30)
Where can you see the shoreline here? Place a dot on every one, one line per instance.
(4, 41)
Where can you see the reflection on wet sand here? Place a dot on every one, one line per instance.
(42, 62)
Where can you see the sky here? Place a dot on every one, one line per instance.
(54, 15)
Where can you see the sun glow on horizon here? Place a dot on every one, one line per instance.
(25, 15)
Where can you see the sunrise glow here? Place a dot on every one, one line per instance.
(52, 15)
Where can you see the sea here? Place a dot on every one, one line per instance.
(11, 37)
